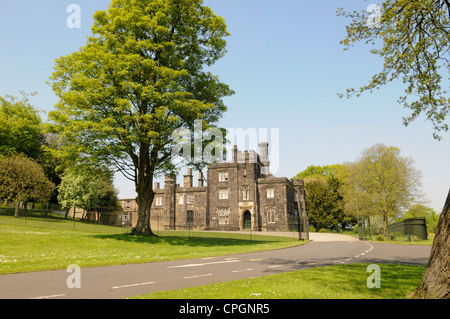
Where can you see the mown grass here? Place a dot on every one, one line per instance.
(26, 249)
(332, 282)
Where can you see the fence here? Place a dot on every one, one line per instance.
(118, 222)
(56, 219)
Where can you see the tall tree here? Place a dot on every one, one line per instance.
(413, 39)
(382, 183)
(322, 203)
(139, 78)
(23, 180)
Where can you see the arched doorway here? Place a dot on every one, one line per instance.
(247, 220)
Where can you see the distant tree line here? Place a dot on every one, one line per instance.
(30, 173)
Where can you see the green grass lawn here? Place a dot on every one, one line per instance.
(332, 282)
(25, 249)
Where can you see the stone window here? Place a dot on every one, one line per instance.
(270, 192)
(270, 216)
(190, 199)
(223, 193)
(223, 176)
(181, 199)
(245, 194)
(128, 205)
(127, 217)
(224, 216)
(158, 201)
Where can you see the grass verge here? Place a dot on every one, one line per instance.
(26, 249)
(332, 282)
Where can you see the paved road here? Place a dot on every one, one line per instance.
(131, 280)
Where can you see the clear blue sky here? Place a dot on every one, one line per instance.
(286, 65)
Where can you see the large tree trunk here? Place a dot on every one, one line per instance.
(436, 280)
(16, 211)
(144, 189)
(144, 202)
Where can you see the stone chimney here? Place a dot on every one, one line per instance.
(264, 156)
(188, 178)
(200, 179)
(235, 154)
(170, 180)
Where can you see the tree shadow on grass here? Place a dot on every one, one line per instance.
(182, 241)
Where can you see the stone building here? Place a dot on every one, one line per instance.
(239, 195)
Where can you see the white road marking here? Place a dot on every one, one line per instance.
(133, 285)
(191, 277)
(250, 269)
(204, 264)
(276, 266)
(357, 256)
(48, 297)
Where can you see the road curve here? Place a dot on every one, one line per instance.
(113, 282)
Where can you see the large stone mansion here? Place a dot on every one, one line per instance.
(238, 195)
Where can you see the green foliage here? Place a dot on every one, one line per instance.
(413, 39)
(53, 166)
(381, 183)
(322, 203)
(20, 127)
(418, 210)
(22, 132)
(319, 171)
(87, 189)
(23, 180)
(323, 196)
